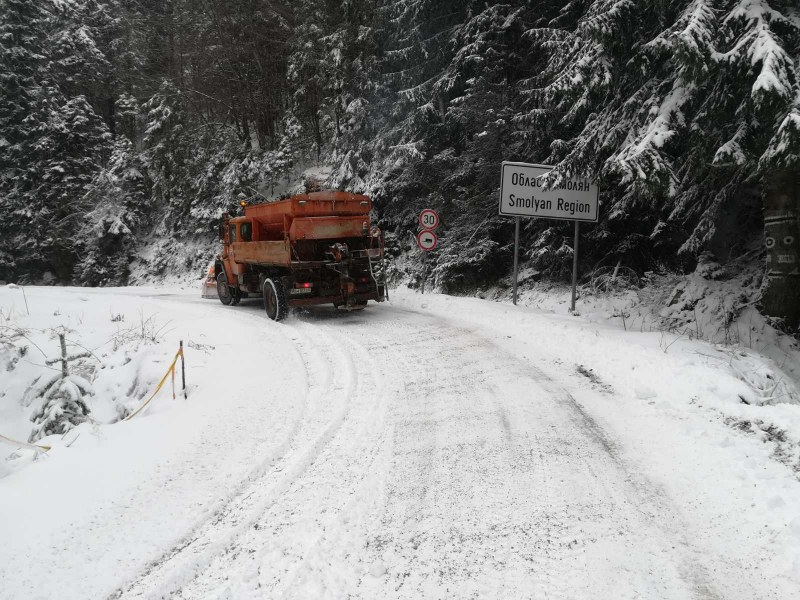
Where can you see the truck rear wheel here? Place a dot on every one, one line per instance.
(275, 299)
(224, 290)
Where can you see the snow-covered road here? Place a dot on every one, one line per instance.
(431, 447)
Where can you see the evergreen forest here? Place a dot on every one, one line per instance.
(127, 127)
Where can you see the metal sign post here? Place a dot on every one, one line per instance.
(525, 191)
(575, 266)
(516, 256)
(426, 239)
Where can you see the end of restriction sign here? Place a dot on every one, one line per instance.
(427, 240)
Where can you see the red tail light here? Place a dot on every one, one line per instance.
(304, 285)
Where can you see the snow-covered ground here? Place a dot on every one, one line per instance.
(428, 447)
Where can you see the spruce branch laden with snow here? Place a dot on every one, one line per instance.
(63, 397)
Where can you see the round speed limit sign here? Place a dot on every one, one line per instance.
(429, 219)
(427, 240)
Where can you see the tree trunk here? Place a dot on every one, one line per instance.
(782, 230)
(64, 371)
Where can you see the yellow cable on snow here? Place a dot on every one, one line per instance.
(23, 444)
(171, 370)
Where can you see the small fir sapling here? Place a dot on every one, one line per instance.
(64, 405)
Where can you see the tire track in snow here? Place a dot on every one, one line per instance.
(298, 450)
(242, 490)
(490, 481)
(332, 562)
(645, 499)
(570, 526)
(416, 533)
(307, 537)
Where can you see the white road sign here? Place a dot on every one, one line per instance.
(521, 194)
(427, 240)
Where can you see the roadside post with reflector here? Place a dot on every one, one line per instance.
(781, 298)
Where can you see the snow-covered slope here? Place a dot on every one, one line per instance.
(429, 447)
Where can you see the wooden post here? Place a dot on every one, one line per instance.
(183, 372)
(63, 340)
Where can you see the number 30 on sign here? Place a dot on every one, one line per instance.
(429, 219)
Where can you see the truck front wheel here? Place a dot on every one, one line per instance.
(275, 299)
(224, 290)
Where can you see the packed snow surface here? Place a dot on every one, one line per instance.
(428, 447)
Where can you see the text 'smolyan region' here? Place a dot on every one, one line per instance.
(523, 194)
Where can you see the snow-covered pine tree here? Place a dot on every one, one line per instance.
(165, 142)
(419, 44)
(63, 397)
(79, 51)
(55, 146)
(476, 99)
(71, 145)
(388, 129)
(21, 55)
(674, 107)
(105, 238)
(309, 73)
(451, 89)
(331, 72)
(680, 107)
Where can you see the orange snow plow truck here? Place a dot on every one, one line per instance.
(316, 248)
